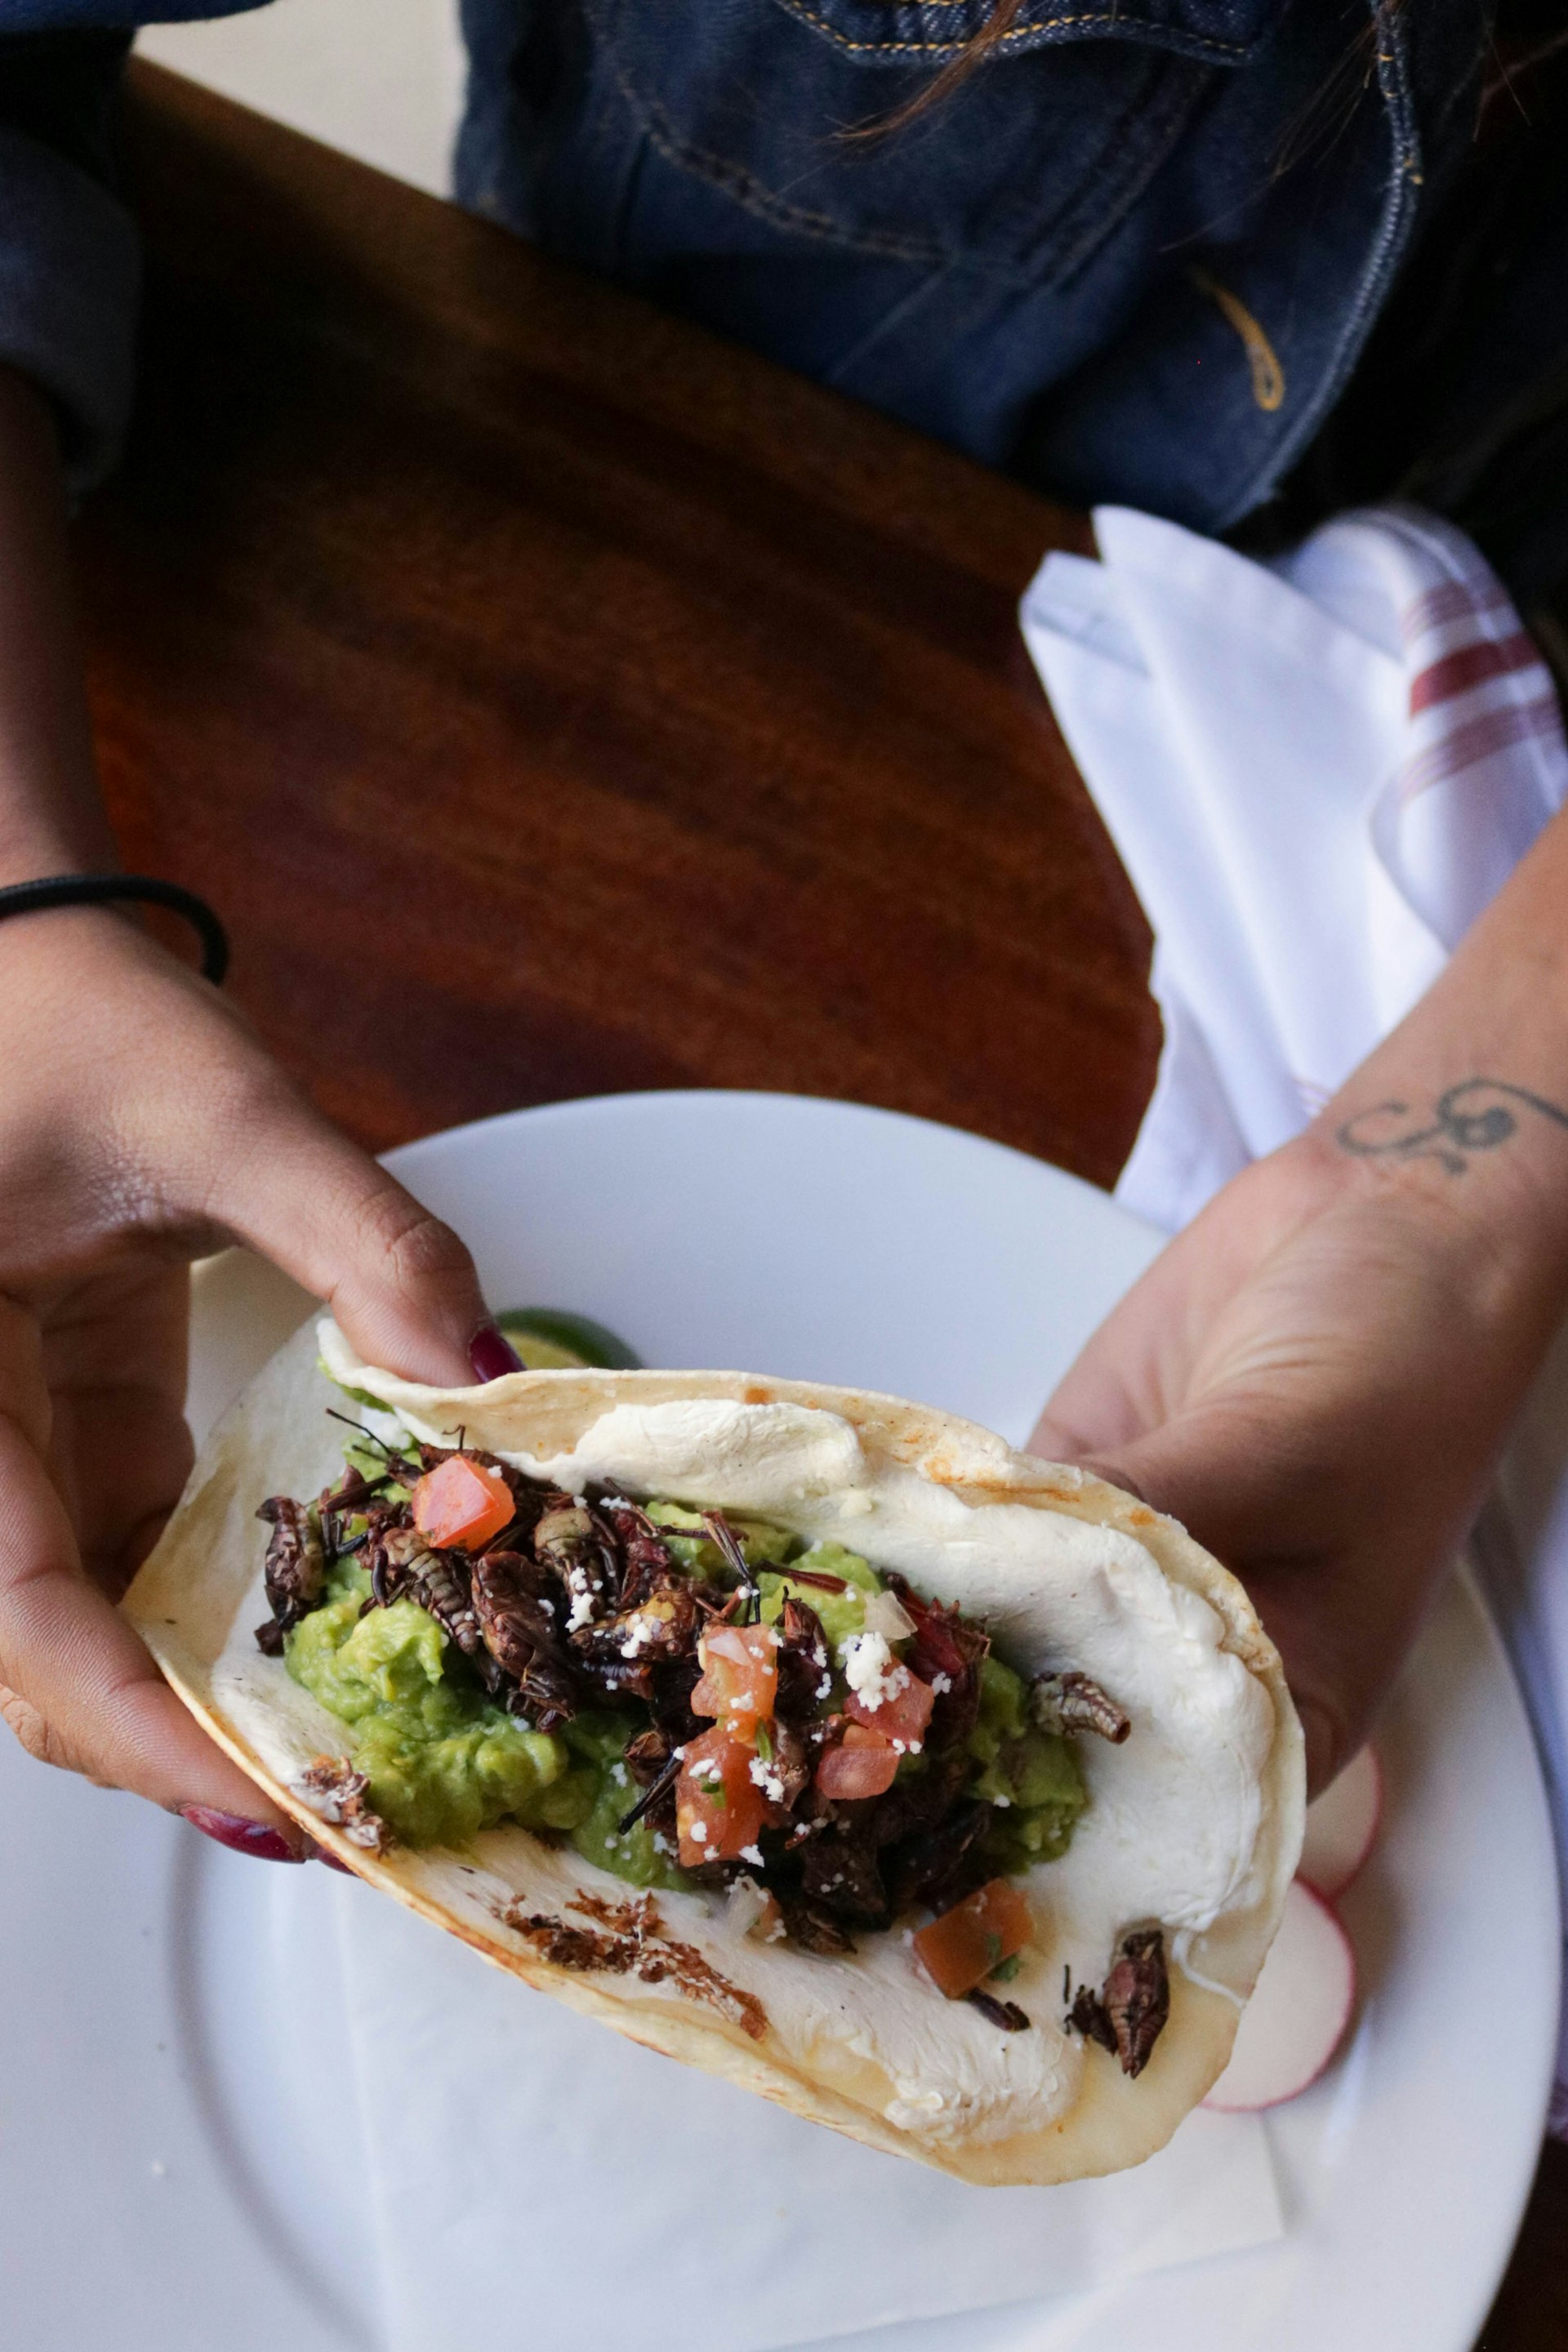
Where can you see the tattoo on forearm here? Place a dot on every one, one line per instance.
(1458, 1126)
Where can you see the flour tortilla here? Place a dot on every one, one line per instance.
(865, 2044)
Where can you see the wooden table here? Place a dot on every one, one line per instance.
(556, 700)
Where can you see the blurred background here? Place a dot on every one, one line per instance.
(381, 80)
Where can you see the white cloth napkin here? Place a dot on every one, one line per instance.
(538, 2180)
(1317, 775)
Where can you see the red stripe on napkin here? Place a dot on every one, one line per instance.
(1457, 672)
(1466, 746)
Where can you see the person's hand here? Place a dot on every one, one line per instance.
(142, 1125)
(1315, 1378)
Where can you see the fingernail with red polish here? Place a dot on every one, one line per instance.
(320, 1853)
(240, 1835)
(492, 1355)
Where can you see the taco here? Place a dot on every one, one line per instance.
(946, 1796)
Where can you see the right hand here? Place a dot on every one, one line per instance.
(1315, 1378)
(142, 1125)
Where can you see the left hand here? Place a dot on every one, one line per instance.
(96, 1365)
(1315, 1378)
(141, 1125)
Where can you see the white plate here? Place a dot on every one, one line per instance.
(178, 2151)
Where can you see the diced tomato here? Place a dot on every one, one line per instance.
(864, 1764)
(902, 1716)
(740, 1676)
(719, 1808)
(959, 1951)
(460, 1505)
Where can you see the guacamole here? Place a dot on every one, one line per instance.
(442, 1760)
(685, 1698)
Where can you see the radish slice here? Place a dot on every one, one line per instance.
(1342, 1826)
(1295, 2020)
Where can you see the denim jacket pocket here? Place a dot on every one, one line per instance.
(1020, 172)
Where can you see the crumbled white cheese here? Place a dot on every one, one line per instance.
(766, 1779)
(941, 1683)
(871, 1670)
(752, 1853)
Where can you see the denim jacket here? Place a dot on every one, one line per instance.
(1134, 256)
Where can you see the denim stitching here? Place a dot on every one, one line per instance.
(743, 190)
(1400, 201)
(1020, 270)
(1199, 41)
(739, 185)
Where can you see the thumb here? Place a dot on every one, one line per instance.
(77, 1686)
(1215, 1468)
(400, 1282)
(1215, 1471)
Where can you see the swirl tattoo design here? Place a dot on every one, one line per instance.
(1455, 1131)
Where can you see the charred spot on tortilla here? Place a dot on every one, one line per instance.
(631, 1940)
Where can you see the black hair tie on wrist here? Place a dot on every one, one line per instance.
(104, 889)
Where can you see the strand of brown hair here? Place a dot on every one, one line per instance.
(1319, 124)
(970, 58)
